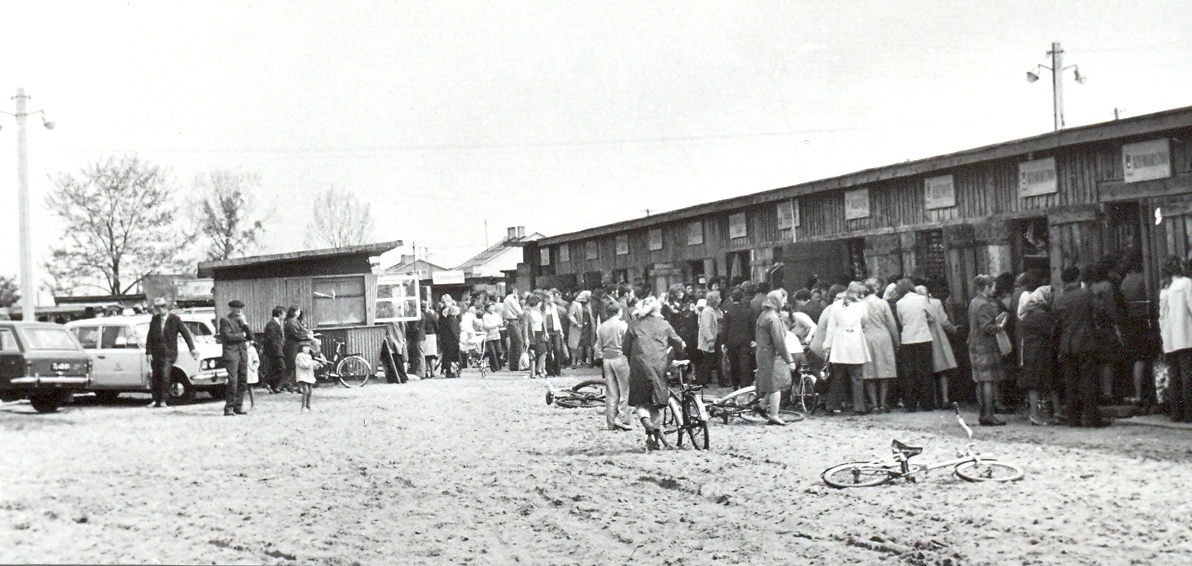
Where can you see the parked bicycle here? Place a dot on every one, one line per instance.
(685, 413)
(743, 403)
(969, 465)
(349, 370)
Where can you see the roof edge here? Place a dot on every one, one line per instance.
(207, 268)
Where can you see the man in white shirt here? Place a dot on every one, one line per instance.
(512, 313)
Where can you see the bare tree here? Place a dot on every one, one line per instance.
(10, 292)
(226, 212)
(120, 226)
(340, 220)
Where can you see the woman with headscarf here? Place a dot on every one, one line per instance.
(774, 361)
(645, 343)
(709, 328)
(943, 359)
(1039, 330)
(985, 357)
(882, 338)
(846, 343)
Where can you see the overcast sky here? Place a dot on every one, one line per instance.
(553, 115)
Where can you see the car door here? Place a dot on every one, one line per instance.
(12, 362)
(118, 345)
(103, 367)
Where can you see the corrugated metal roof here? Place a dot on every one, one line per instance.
(1135, 126)
(207, 268)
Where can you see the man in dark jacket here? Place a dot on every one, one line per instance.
(738, 338)
(162, 347)
(1080, 315)
(273, 362)
(235, 334)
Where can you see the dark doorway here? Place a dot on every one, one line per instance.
(930, 264)
(1032, 247)
(856, 259)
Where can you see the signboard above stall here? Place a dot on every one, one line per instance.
(856, 204)
(939, 192)
(1146, 160)
(447, 278)
(1037, 178)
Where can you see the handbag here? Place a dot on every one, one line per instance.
(1003, 343)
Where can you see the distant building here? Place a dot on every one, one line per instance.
(410, 266)
(500, 257)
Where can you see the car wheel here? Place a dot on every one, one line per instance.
(181, 391)
(107, 396)
(45, 402)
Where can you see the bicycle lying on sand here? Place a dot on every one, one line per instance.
(743, 403)
(968, 465)
(587, 393)
(350, 370)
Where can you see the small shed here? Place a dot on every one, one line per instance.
(335, 288)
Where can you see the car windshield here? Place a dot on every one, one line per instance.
(48, 339)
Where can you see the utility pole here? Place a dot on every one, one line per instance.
(28, 287)
(1057, 84)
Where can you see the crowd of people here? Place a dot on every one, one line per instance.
(884, 345)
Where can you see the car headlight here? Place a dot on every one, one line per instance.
(208, 364)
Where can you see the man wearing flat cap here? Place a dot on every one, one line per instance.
(234, 334)
(162, 347)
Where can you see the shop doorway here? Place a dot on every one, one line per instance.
(738, 266)
(1031, 248)
(856, 259)
(930, 262)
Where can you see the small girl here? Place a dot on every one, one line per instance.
(305, 370)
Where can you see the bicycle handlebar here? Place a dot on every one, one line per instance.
(956, 409)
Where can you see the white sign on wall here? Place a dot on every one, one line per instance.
(623, 244)
(447, 278)
(695, 233)
(1146, 160)
(736, 226)
(856, 204)
(1037, 178)
(543, 256)
(655, 237)
(788, 214)
(939, 192)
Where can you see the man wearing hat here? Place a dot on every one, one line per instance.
(234, 334)
(161, 345)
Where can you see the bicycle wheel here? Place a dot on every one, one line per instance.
(857, 474)
(697, 427)
(353, 371)
(803, 395)
(988, 470)
(740, 403)
(672, 418)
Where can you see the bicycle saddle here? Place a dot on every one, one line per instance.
(906, 449)
(680, 363)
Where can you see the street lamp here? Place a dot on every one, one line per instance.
(28, 286)
(1057, 69)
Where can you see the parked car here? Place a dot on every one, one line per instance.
(41, 362)
(117, 348)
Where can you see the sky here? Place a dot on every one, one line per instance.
(558, 116)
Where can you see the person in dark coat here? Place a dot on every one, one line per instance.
(415, 335)
(234, 334)
(293, 333)
(985, 321)
(774, 361)
(162, 346)
(1038, 330)
(1080, 314)
(449, 332)
(738, 334)
(646, 342)
(273, 362)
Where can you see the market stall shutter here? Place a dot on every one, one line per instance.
(1075, 238)
(826, 261)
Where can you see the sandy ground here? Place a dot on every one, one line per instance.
(484, 472)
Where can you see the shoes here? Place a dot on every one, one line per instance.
(157, 405)
(1038, 422)
(774, 420)
(883, 410)
(860, 412)
(651, 442)
(241, 412)
(228, 413)
(621, 426)
(991, 421)
(306, 409)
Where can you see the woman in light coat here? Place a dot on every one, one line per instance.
(709, 328)
(774, 361)
(846, 344)
(1175, 326)
(881, 334)
(943, 359)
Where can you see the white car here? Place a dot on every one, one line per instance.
(116, 346)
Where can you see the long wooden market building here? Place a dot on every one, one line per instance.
(1049, 201)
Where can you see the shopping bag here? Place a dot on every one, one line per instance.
(1003, 343)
